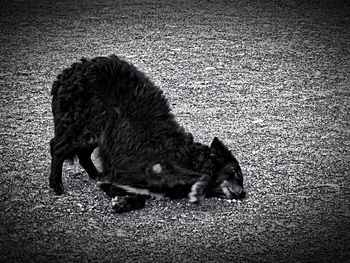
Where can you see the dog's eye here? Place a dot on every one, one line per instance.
(238, 175)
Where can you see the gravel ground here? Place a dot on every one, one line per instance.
(269, 78)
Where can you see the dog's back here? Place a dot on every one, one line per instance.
(84, 95)
(108, 99)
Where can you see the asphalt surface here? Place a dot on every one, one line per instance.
(271, 79)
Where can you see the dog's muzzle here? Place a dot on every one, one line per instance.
(232, 190)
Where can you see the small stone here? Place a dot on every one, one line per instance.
(317, 73)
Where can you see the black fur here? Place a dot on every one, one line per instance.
(107, 102)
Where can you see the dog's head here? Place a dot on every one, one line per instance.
(228, 176)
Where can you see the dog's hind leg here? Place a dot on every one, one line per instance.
(56, 171)
(84, 156)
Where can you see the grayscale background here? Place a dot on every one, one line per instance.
(269, 78)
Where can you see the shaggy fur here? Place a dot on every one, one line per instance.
(107, 102)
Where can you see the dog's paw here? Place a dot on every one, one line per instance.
(57, 187)
(198, 192)
(121, 204)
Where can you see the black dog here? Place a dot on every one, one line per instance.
(107, 102)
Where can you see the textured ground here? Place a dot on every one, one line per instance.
(270, 79)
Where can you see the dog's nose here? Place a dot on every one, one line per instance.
(239, 193)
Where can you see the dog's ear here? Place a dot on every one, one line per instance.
(218, 149)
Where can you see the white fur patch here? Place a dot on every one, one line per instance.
(195, 196)
(117, 110)
(157, 168)
(139, 191)
(114, 201)
(225, 189)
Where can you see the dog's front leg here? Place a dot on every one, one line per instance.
(121, 199)
(121, 204)
(199, 189)
(170, 176)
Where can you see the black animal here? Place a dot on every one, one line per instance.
(107, 102)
